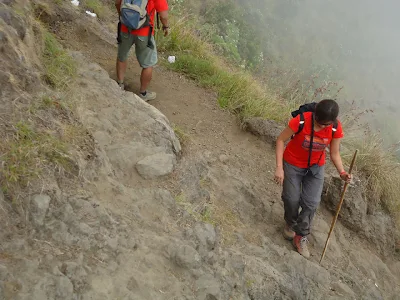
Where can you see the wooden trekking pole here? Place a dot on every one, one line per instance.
(339, 206)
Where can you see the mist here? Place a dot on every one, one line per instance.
(355, 42)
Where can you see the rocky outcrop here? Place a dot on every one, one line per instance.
(357, 215)
(134, 135)
(268, 130)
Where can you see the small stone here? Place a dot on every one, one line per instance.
(223, 158)
(85, 229)
(156, 165)
(343, 290)
(207, 288)
(39, 207)
(184, 256)
(113, 243)
(206, 236)
(3, 273)
(64, 288)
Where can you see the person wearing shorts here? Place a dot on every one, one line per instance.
(146, 51)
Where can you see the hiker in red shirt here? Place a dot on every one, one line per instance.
(300, 166)
(142, 38)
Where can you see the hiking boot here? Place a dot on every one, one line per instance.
(121, 86)
(148, 96)
(288, 233)
(300, 243)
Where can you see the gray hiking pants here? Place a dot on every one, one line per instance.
(301, 189)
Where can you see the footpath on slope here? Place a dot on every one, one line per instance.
(209, 230)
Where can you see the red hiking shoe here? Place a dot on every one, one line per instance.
(300, 243)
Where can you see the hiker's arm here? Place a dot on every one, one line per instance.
(164, 17)
(335, 155)
(161, 7)
(118, 6)
(337, 159)
(280, 147)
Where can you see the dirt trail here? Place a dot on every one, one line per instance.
(210, 130)
(192, 108)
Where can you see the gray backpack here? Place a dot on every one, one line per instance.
(134, 16)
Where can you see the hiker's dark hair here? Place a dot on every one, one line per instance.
(327, 110)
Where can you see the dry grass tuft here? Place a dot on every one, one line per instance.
(26, 153)
(60, 67)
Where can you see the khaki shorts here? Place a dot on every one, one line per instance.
(146, 57)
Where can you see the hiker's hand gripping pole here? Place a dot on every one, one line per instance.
(338, 207)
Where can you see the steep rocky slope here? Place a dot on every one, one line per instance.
(138, 218)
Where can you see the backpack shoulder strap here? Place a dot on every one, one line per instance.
(334, 128)
(301, 124)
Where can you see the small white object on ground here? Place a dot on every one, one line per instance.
(75, 2)
(171, 59)
(91, 14)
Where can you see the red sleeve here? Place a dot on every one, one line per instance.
(339, 131)
(160, 5)
(295, 123)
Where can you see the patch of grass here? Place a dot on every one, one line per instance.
(249, 283)
(60, 67)
(25, 155)
(237, 90)
(182, 136)
(199, 212)
(212, 213)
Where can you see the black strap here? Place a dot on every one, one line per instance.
(301, 124)
(119, 32)
(311, 141)
(334, 128)
(149, 42)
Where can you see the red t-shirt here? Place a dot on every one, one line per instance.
(152, 7)
(297, 150)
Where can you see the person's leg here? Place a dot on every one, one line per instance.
(309, 201)
(145, 78)
(147, 58)
(124, 46)
(121, 70)
(293, 177)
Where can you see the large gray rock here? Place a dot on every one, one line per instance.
(64, 288)
(357, 215)
(12, 19)
(126, 127)
(52, 287)
(184, 256)
(156, 165)
(267, 129)
(206, 236)
(39, 207)
(354, 208)
(76, 273)
(207, 288)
